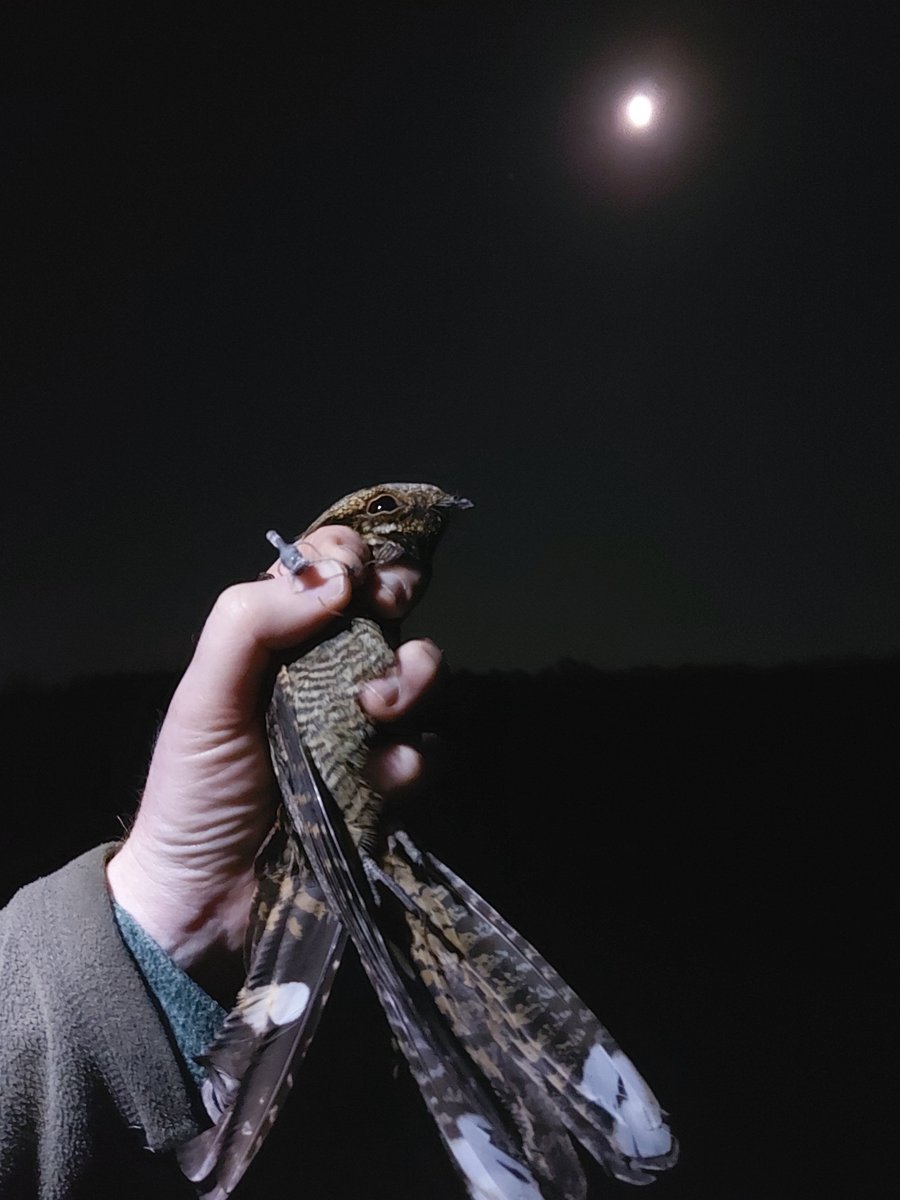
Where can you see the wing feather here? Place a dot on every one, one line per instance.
(463, 947)
(264, 1038)
(480, 1140)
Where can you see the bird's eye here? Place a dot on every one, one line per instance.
(382, 504)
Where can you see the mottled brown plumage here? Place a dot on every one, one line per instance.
(510, 1063)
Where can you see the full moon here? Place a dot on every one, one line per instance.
(639, 110)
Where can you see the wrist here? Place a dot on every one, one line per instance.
(199, 921)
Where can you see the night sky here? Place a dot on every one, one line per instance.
(254, 257)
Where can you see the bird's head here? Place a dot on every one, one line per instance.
(398, 520)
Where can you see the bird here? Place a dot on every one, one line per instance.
(513, 1067)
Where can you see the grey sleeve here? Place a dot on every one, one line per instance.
(89, 1074)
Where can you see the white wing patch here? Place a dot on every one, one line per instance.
(610, 1080)
(274, 1004)
(600, 1079)
(490, 1173)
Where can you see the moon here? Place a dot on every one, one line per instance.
(639, 110)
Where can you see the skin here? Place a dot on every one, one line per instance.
(185, 871)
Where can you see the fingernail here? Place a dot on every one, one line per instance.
(386, 689)
(328, 568)
(433, 649)
(396, 584)
(332, 587)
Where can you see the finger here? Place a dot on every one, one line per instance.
(337, 542)
(392, 695)
(394, 767)
(394, 589)
(247, 623)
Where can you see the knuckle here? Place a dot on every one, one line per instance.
(234, 607)
(332, 538)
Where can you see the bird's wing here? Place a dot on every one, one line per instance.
(296, 952)
(480, 1139)
(520, 1020)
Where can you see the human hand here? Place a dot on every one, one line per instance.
(185, 871)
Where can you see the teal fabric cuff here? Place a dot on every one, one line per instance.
(193, 1016)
